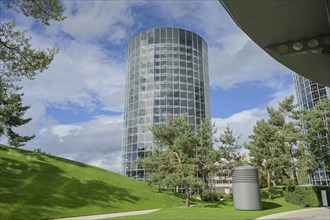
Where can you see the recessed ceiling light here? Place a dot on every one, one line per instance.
(297, 46)
(313, 43)
(283, 48)
(326, 40)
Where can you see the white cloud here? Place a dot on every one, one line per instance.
(101, 134)
(90, 19)
(170, 10)
(65, 130)
(96, 142)
(279, 95)
(37, 112)
(242, 123)
(232, 66)
(110, 161)
(81, 74)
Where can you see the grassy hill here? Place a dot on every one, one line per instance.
(40, 186)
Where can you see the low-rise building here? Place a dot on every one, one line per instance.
(221, 180)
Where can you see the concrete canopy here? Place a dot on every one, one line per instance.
(295, 33)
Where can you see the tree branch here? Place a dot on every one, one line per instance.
(41, 9)
(19, 52)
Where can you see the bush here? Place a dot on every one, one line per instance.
(307, 196)
(210, 196)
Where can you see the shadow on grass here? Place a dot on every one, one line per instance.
(226, 202)
(213, 205)
(270, 205)
(265, 205)
(4, 148)
(277, 192)
(40, 184)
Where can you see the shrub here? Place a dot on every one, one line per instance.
(210, 196)
(307, 196)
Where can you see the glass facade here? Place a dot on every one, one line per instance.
(166, 75)
(308, 93)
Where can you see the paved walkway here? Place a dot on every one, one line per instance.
(304, 214)
(112, 215)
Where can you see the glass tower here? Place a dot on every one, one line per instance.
(166, 75)
(308, 93)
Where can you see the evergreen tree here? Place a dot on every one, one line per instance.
(306, 164)
(229, 148)
(229, 151)
(18, 60)
(317, 131)
(156, 172)
(205, 154)
(291, 140)
(298, 141)
(181, 154)
(287, 135)
(263, 150)
(11, 116)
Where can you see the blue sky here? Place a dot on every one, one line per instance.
(77, 103)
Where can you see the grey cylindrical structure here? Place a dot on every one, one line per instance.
(246, 188)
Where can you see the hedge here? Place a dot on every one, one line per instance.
(210, 196)
(306, 196)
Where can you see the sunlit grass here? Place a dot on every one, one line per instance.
(221, 210)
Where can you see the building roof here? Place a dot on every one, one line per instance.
(295, 33)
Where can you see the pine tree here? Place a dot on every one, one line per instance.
(229, 148)
(287, 135)
(181, 154)
(229, 151)
(156, 172)
(205, 154)
(11, 116)
(306, 164)
(291, 140)
(263, 150)
(317, 131)
(19, 60)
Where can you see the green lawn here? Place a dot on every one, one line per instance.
(217, 211)
(222, 210)
(39, 186)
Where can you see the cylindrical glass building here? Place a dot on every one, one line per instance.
(166, 75)
(308, 94)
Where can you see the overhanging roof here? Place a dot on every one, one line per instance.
(295, 33)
